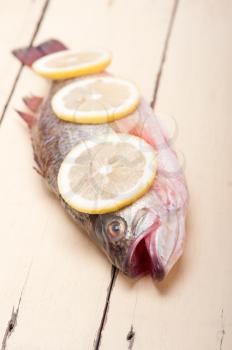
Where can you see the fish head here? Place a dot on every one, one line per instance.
(141, 238)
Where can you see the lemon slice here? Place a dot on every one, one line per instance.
(102, 175)
(69, 64)
(96, 100)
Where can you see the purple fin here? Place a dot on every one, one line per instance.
(33, 102)
(28, 118)
(28, 55)
(51, 46)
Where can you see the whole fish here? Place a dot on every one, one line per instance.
(144, 237)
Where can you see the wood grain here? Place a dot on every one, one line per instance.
(59, 276)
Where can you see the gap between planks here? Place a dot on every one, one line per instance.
(97, 341)
(12, 323)
(164, 53)
(15, 83)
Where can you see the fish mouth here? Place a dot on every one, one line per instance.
(159, 247)
(144, 258)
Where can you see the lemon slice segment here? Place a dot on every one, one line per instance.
(69, 64)
(96, 100)
(102, 175)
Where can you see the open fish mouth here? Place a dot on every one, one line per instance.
(144, 258)
(158, 249)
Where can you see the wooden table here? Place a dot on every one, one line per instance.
(57, 291)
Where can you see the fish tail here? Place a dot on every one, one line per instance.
(28, 55)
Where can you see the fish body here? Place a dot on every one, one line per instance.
(144, 237)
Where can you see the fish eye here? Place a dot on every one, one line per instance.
(116, 228)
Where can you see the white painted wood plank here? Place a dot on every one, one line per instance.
(18, 21)
(67, 277)
(185, 311)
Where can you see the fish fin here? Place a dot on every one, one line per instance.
(38, 167)
(51, 46)
(33, 102)
(38, 171)
(28, 118)
(28, 55)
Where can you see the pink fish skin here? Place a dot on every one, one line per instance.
(146, 237)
